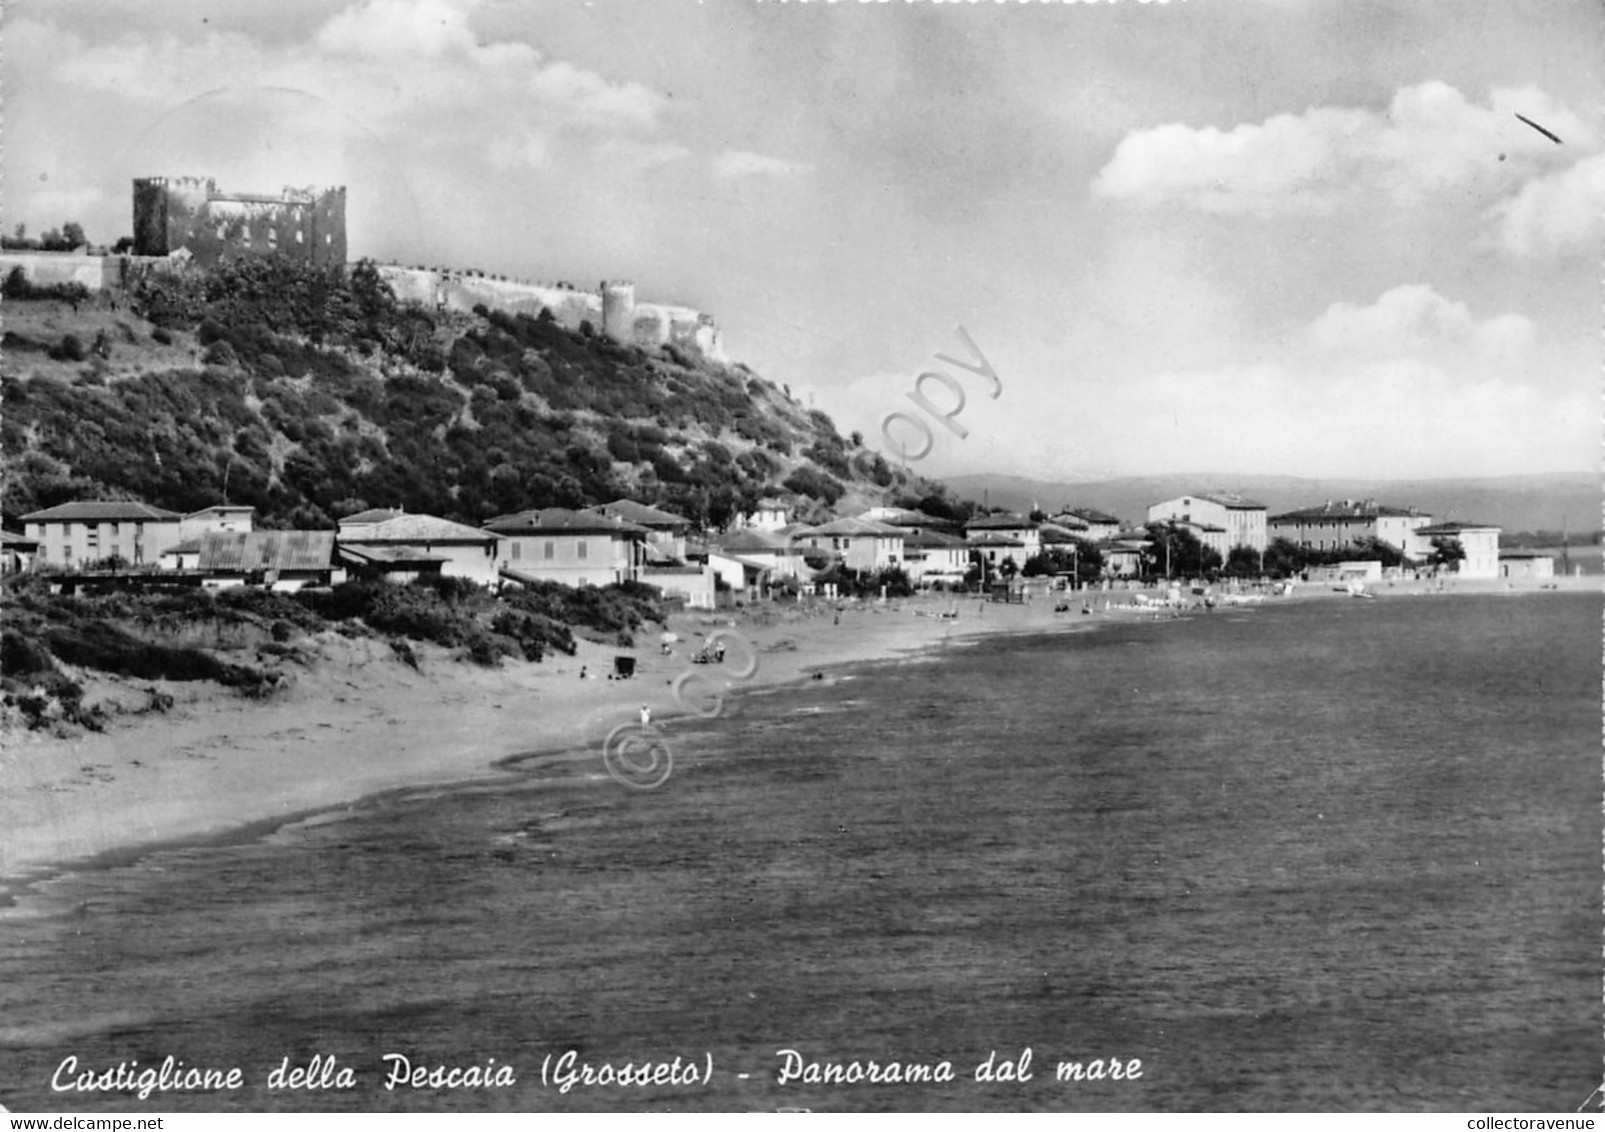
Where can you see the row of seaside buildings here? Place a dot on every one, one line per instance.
(629, 541)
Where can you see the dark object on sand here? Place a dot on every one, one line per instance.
(623, 667)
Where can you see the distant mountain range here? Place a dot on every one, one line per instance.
(1516, 503)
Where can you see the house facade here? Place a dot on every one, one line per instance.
(75, 535)
(769, 515)
(1242, 519)
(1342, 523)
(862, 545)
(218, 517)
(1480, 541)
(1098, 525)
(463, 551)
(665, 531)
(1015, 527)
(932, 557)
(1526, 564)
(572, 547)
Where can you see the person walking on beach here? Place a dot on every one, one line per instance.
(646, 716)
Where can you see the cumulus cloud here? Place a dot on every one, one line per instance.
(1429, 140)
(1413, 320)
(734, 163)
(384, 60)
(1560, 214)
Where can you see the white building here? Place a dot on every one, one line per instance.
(464, 552)
(862, 545)
(1480, 541)
(1242, 519)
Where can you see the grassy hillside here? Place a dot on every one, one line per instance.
(312, 394)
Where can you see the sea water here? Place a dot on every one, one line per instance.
(1325, 855)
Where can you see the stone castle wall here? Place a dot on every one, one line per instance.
(611, 309)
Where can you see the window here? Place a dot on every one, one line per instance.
(550, 550)
(114, 529)
(300, 236)
(584, 549)
(517, 549)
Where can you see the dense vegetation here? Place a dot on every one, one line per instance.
(243, 638)
(318, 394)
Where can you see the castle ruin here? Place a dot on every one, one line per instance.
(188, 218)
(192, 215)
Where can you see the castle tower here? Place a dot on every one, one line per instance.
(618, 310)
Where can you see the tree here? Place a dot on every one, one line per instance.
(1176, 552)
(72, 234)
(1446, 552)
(1243, 562)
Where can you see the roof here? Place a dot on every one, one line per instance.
(227, 508)
(416, 528)
(188, 546)
(371, 515)
(1054, 533)
(96, 510)
(859, 527)
(1455, 528)
(633, 512)
(1228, 499)
(245, 551)
(746, 563)
(1092, 515)
(7, 538)
(561, 520)
(1000, 523)
(753, 542)
(1526, 554)
(933, 540)
(1346, 509)
(991, 539)
(389, 554)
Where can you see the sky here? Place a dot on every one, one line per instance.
(1301, 237)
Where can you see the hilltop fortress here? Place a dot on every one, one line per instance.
(188, 220)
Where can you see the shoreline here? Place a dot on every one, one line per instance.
(359, 725)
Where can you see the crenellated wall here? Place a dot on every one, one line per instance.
(612, 308)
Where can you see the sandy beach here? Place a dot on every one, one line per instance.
(357, 721)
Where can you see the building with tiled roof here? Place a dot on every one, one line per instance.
(667, 530)
(862, 544)
(465, 552)
(935, 557)
(78, 534)
(280, 560)
(1026, 531)
(577, 548)
(1241, 518)
(1099, 524)
(1480, 541)
(1339, 523)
